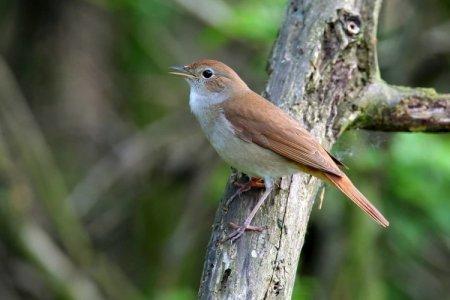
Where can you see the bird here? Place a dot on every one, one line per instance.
(258, 138)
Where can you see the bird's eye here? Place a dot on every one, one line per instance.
(207, 73)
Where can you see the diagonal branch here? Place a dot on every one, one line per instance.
(395, 108)
(323, 57)
(323, 62)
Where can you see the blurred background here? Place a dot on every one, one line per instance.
(108, 188)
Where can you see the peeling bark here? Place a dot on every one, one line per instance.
(322, 60)
(393, 108)
(324, 72)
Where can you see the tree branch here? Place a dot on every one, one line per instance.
(323, 62)
(323, 57)
(395, 108)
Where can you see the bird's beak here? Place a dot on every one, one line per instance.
(181, 71)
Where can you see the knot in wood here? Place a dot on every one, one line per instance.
(351, 22)
(352, 28)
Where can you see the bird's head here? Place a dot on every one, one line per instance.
(211, 78)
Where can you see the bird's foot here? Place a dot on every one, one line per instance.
(240, 230)
(252, 183)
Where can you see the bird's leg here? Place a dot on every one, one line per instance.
(256, 182)
(253, 182)
(239, 230)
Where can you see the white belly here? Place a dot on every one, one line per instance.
(244, 156)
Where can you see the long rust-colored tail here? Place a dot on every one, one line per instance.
(344, 184)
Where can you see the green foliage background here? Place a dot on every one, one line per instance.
(108, 189)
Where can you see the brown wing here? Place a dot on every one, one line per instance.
(271, 128)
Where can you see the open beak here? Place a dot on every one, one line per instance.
(181, 71)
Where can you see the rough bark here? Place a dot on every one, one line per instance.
(322, 71)
(394, 108)
(323, 56)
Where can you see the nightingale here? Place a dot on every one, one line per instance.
(257, 138)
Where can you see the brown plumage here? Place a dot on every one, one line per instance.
(257, 137)
(284, 136)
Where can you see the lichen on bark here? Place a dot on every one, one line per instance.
(323, 71)
(395, 108)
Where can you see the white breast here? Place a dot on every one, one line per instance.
(244, 156)
(200, 100)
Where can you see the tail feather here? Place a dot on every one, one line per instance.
(344, 184)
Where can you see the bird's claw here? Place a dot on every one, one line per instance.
(254, 182)
(240, 230)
